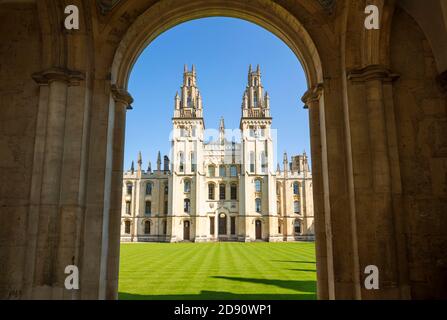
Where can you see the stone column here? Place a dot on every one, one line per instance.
(376, 183)
(122, 101)
(57, 227)
(312, 100)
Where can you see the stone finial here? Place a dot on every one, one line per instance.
(132, 167)
(185, 68)
(258, 69)
(149, 167)
(249, 69)
(159, 161)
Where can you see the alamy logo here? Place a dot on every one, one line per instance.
(372, 280)
(72, 280)
(372, 21)
(72, 20)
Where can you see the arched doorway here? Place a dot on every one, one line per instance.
(258, 231)
(186, 230)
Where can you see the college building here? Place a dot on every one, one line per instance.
(218, 188)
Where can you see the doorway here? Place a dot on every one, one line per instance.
(258, 225)
(222, 224)
(186, 230)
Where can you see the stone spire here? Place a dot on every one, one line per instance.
(255, 104)
(140, 161)
(188, 103)
(149, 167)
(285, 162)
(222, 131)
(132, 167)
(159, 161)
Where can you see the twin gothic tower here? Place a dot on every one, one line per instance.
(222, 184)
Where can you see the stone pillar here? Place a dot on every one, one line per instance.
(312, 100)
(57, 230)
(376, 181)
(122, 101)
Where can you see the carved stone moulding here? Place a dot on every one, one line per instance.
(312, 95)
(106, 5)
(121, 95)
(73, 78)
(372, 72)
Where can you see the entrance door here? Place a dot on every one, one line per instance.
(258, 229)
(185, 230)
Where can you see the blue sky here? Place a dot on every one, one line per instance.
(221, 49)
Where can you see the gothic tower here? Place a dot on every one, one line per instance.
(187, 155)
(258, 180)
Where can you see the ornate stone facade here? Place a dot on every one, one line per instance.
(219, 190)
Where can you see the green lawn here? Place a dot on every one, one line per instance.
(223, 270)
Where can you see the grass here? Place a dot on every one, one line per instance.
(223, 270)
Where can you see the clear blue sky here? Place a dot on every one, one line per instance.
(221, 49)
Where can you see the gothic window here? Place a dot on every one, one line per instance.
(233, 171)
(127, 207)
(127, 227)
(148, 208)
(297, 226)
(222, 171)
(252, 162)
(187, 205)
(278, 207)
(129, 189)
(278, 189)
(251, 131)
(189, 102)
(222, 191)
(211, 171)
(233, 225)
(149, 188)
(296, 206)
(194, 131)
(147, 227)
(255, 99)
(182, 132)
(166, 207)
(296, 188)
(181, 162)
(187, 186)
(166, 190)
(258, 205)
(258, 185)
(211, 191)
(233, 192)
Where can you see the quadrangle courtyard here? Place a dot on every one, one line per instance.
(221, 270)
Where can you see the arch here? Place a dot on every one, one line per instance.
(264, 13)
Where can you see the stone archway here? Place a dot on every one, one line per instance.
(72, 98)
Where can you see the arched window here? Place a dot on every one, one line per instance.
(148, 208)
(278, 207)
(149, 188)
(296, 188)
(187, 186)
(193, 162)
(187, 205)
(181, 160)
(211, 171)
(258, 205)
(166, 189)
(147, 227)
(255, 100)
(129, 189)
(258, 185)
(278, 189)
(297, 226)
(233, 192)
(127, 227)
(296, 207)
(252, 161)
(233, 171)
(222, 170)
(128, 207)
(211, 191)
(222, 195)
